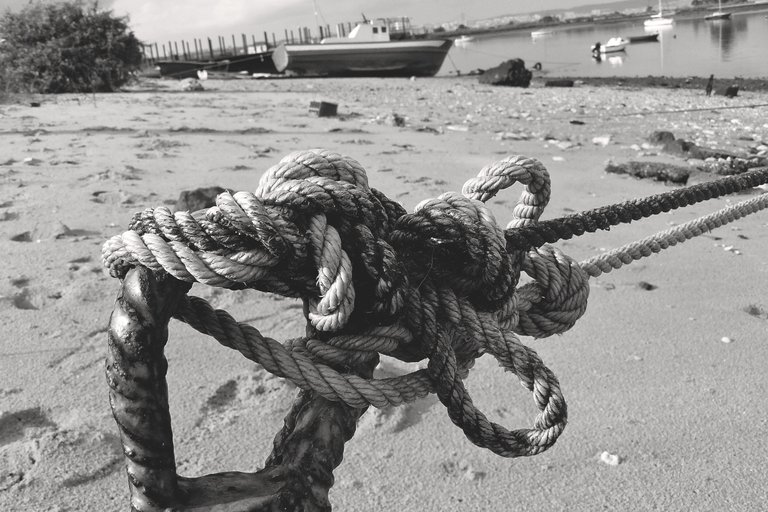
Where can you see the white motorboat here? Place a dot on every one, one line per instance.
(613, 45)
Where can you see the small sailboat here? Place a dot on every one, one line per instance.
(719, 14)
(658, 20)
(463, 40)
(538, 34)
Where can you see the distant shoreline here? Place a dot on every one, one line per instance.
(679, 14)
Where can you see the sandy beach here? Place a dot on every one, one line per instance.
(646, 372)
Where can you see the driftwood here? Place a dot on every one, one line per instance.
(653, 170)
(297, 475)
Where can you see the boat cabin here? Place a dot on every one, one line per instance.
(365, 32)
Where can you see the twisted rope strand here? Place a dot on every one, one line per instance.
(296, 367)
(616, 258)
(564, 228)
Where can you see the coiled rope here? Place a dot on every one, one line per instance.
(438, 284)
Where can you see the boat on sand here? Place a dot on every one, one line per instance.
(248, 63)
(367, 51)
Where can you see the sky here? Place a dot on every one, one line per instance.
(163, 20)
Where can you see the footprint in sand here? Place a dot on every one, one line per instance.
(24, 299)
(16, 457)
(463, 468)
(15, 425)
(34, 450)
(757, 311)
(247, 391)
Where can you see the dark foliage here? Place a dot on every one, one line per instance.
(65, 47)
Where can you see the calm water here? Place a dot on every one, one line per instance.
(736, 47)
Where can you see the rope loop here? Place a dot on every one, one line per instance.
(439, 284)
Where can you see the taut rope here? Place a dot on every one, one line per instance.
(438, 284)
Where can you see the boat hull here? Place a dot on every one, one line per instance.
(421, 57)
(187, 68)
(718, 16)
(250, 63)
(648, 38)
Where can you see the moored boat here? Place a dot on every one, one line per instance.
(367, 51)
(645, 38)
(614, 44)
(658, 20)
(719, 14)
(538, 34)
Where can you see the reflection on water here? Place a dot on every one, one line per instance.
(723, 34)
(734, 47)
(616, 61)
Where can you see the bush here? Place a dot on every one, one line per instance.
(65, 47)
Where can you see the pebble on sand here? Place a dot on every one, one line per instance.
(602, 140)
(726, 339)
(610, 459)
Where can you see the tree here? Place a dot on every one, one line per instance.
(66, 47)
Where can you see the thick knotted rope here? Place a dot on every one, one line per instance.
(439, 284)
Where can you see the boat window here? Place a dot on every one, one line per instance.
(375, 30)
(383, 29)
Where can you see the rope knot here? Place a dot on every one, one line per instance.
(456, 241)
(436, 284)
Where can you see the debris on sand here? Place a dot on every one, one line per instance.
(652, 170)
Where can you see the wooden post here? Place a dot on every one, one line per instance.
(286, 35)
(176, 48)
(266, 39)
(321, 32)
(245, 43)
(234, 45)
(165, 55)
(157, 51)
(274, 40)
(291, 36)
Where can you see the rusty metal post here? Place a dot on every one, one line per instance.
(299, 471)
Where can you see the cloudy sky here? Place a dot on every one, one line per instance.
(162, 20)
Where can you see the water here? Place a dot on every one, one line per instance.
(728, 48)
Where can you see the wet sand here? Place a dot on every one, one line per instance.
(645, 372)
